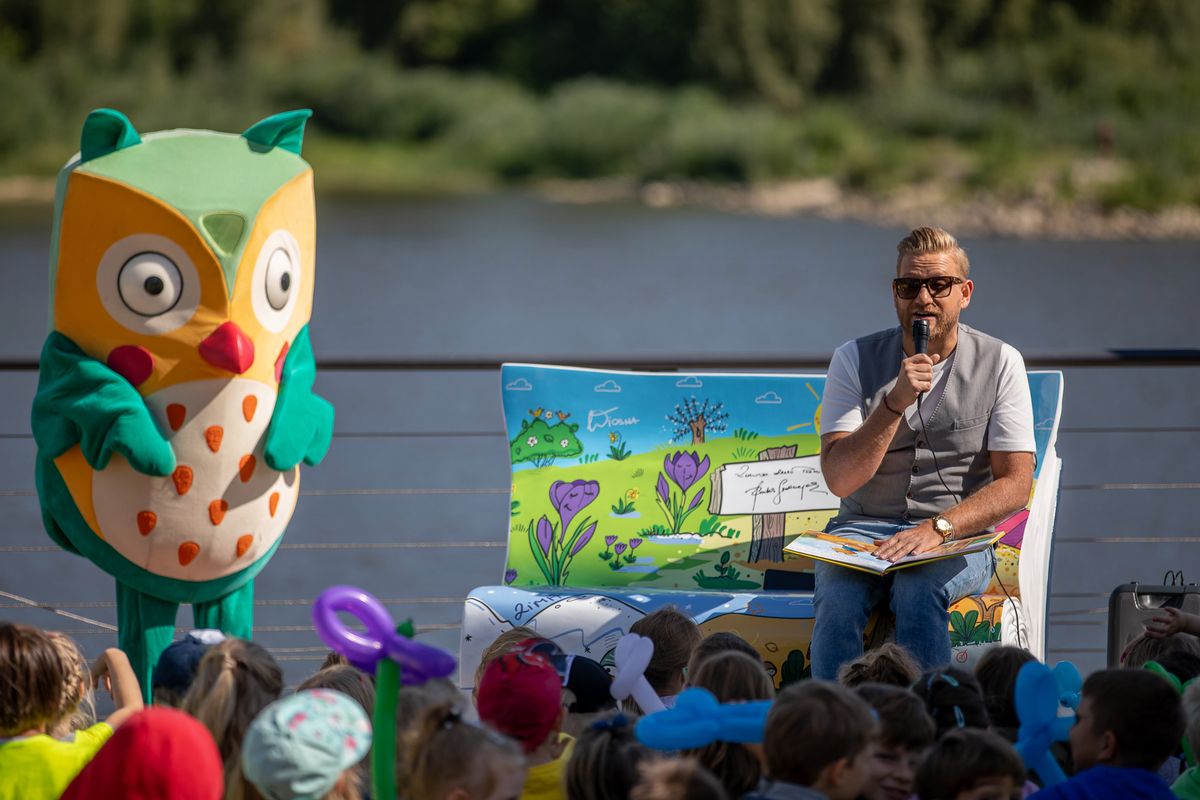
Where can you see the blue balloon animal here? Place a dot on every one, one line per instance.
(698, 720)
(1041, 693)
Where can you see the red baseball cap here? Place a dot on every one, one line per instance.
(520, 695)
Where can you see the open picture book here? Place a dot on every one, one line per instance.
(860, 555)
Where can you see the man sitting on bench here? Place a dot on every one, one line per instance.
(913, 475)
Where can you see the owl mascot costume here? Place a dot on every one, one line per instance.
(174, 400)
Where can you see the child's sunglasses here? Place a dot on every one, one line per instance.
(938, 286)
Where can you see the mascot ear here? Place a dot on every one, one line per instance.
(285, 130)
(105, 131)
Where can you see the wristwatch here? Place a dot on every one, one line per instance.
(944, 528)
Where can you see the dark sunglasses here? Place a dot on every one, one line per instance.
(938, 286)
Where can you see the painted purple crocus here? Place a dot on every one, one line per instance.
(696, 500)
(685, 468)
(664, 493)
(569, 498)
(619, 548)
(583, 538)
(634, 544)
(545, 534)
(510, 575)
(609, 540)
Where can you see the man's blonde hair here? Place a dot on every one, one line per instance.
(926, 240)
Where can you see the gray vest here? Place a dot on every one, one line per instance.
(906, 485)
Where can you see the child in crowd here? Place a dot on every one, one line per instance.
(604, 762)
(510, 640)
(78, 709)
(1128, 722)
(996, 673)
(346, 679)
(159, 754)
(307, 747)
(413, 701)
(176, 667)
(816, 744)
(676, 779)
(889, 663)
(34, 765)
(1187, 786)
(585, 684)
(904, 733)
(970, 764)
(441, 757)
(953, 698)
(236, 679)
(733, 677)
(675, 636)
(1150, 647)
(720, 642)
(520, 695)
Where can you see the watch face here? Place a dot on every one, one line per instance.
(942, 525)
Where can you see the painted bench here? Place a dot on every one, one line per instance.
(632, 491)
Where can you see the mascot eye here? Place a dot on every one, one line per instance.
(150, 284)
(279, 279)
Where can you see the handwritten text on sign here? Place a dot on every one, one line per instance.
(774, 487)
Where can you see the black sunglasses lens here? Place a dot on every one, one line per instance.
(939, 287)
(907, 288)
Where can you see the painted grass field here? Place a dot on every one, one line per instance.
(638, 520)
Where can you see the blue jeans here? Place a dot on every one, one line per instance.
(919, 597)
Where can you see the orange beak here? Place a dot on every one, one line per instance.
(228, 348)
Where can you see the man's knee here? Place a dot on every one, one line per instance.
(840, 591)
(913, 590)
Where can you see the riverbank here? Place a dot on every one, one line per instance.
(906, 207)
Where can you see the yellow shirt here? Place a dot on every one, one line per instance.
(41, 768)
(545, 781)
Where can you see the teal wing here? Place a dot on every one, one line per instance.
(81, 401)
(302, 425)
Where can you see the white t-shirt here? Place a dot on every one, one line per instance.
(1010, 428)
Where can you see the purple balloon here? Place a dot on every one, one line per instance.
(419, 662)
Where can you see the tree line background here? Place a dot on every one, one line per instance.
(1078, 100)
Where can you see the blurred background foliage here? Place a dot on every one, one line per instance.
(1072, 100)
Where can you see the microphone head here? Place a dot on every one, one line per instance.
(920, 333)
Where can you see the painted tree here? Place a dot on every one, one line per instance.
(697, 418)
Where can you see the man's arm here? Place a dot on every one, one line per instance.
(1012, 474)
(849, 460)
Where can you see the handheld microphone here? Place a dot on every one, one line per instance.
(920, 334)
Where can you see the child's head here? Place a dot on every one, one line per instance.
(236, 679)
(997, 676)
(346, 679)
(441, 757)
(520, 695)
(675, 636)
(510, 640)
(817, 735)
(306, 747)
(719, 642)
(604, 762)
(953, 698)
(676, 779)
(157, 754)
(176, 667)
(78, 708)
(905, 732)
(970, 764)
(1126, 718)
(32, 677)
(1145, 648)
(889, 663)
(732, 677)
(413, 701)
